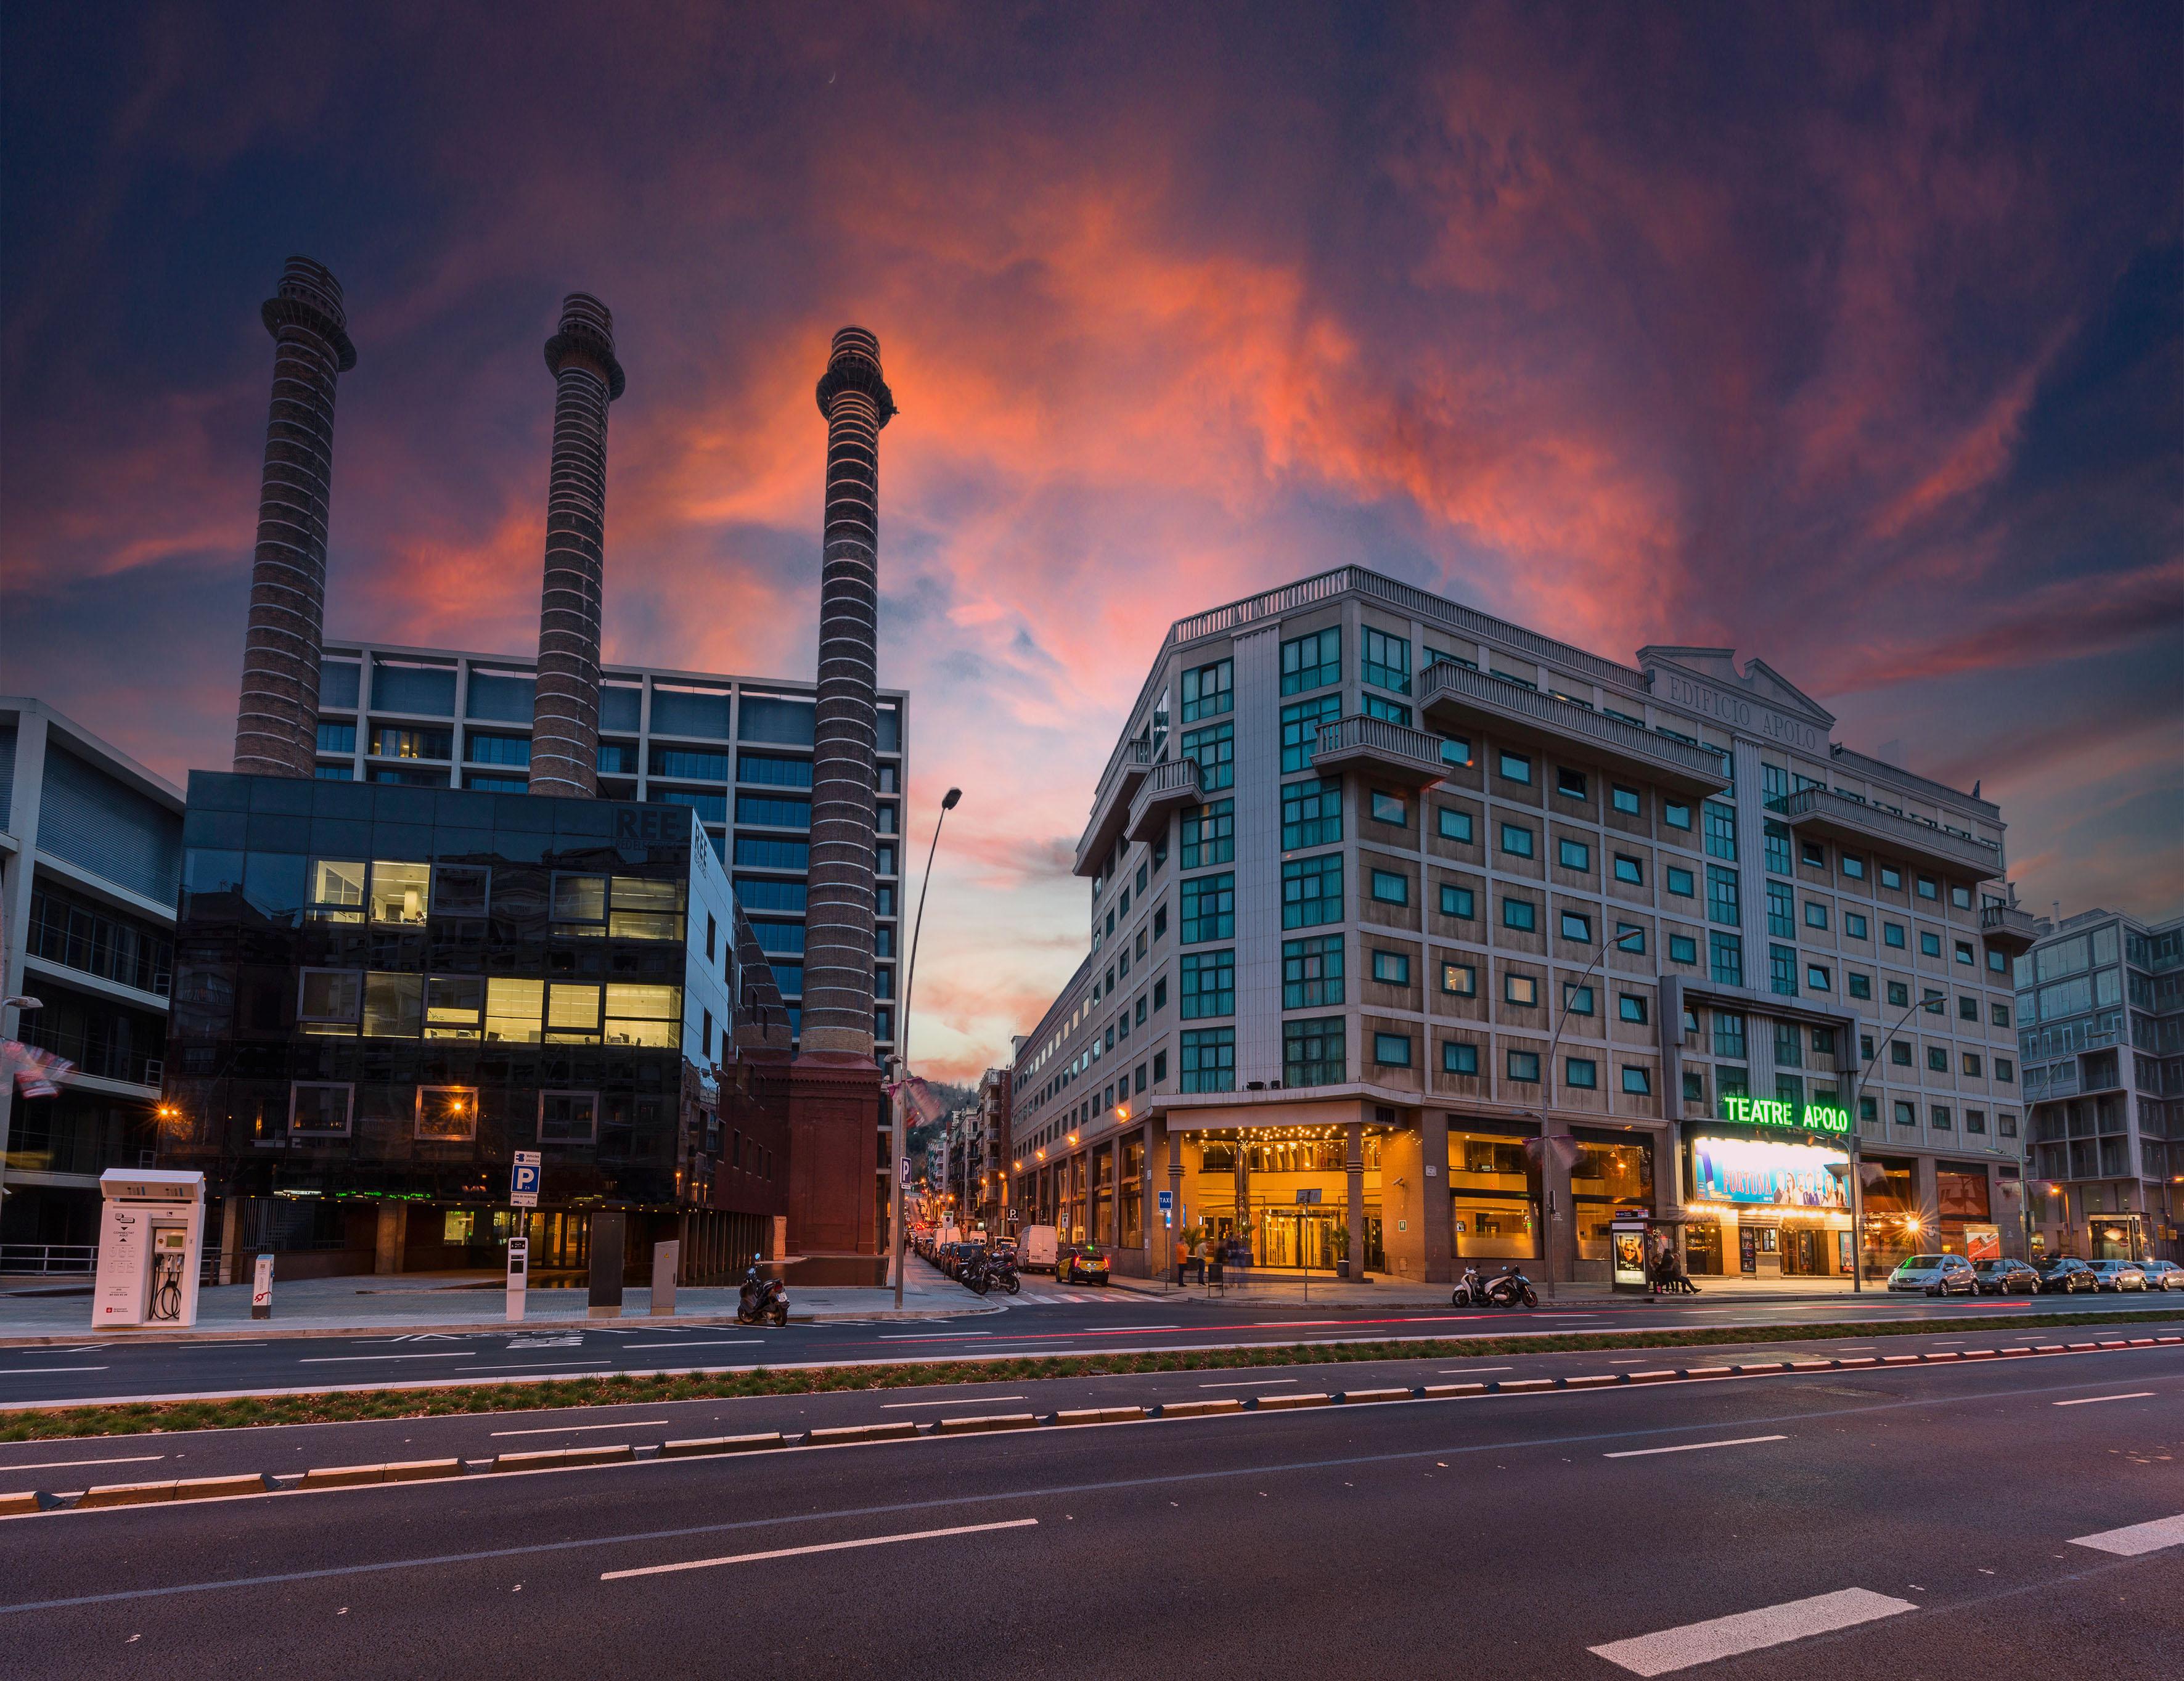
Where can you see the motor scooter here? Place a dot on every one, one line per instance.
(1470, 1290)
(1511, 1288)
(763, 1300)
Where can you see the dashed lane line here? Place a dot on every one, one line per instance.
(1749, 1631)
(821, 1547)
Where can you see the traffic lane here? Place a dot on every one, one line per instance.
(115, 1370)
(58, 1465)
(1395, 1506)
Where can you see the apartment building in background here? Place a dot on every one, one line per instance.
(735, 750)
(91, 852)
(1408, 924)
(2100, 1018)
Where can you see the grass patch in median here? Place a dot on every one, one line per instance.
(339, 1406)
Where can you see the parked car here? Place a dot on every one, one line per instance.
(2163, 1275)
(2118, 1275)
(2006, 1277)
(1082, 1265)
(2066, 1275)
(1936, 1275)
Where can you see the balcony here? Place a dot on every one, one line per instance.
(1374, 747)
(1822, 814)
(2008, 929)
(1171, 787)
(1126, 771)
(1456, 700)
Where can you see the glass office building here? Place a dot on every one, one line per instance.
(381, 992)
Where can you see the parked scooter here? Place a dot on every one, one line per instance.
(1511, 1288)
(1470, 1289)
(763, 1300)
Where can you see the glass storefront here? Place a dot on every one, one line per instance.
(1613, 1171)
(1491, 1212)
(1892, 1226)
(1765, 1207)
(1272, 1228)
(1133, 1195)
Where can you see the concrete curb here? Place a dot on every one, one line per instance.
(325, 1479)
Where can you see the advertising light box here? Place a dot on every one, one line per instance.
(1760, 1170)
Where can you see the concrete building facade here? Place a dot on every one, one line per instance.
(91, 851)
(2100, 1014)
(1466, 933)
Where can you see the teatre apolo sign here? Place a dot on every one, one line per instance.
(1760, 1111)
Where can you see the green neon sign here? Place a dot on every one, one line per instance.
(1760, 1111)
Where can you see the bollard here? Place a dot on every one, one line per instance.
(261, 1288)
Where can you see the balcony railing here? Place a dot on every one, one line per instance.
(1824, 811)
(1377, 746)
(1111, 809)
(1172, 785)
(1458, 695)
(2007, 927)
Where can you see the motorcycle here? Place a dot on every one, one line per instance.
(1470, 1290)
(1002, 1273)
(762, 1301)
(1511, 1288)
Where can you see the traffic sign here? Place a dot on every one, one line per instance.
(1168, 1202)
(905, 1170)
(1308, 1193)
(523, 1179)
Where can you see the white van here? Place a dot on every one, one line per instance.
(1036, 1249)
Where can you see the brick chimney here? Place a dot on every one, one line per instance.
(277, 727)
(564, 726)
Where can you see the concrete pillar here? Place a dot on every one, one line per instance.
(1354, 1192)
(1555, 1191)
(230, 1239)
(1243, 1176)
(1175, 1147)
(1928, 1193)
(393, 1236)
(1437, 1250)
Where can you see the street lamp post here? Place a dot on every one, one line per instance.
(948, 804)
(1546, 1142)
(1931, 1002)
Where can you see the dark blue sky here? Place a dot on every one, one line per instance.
(1850, 338)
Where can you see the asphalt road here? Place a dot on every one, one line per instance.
(1918, 1521)
(110, 1369)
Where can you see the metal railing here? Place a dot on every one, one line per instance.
(1381, 735)
(47, 1259)
(2008, 919)
(1885, 827)
(1646, 746)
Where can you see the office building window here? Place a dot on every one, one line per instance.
(1207, 691)
(1455, 750)
(1391, 968)
(1938, 1115)
(1779, 923)
(1459, 980)
(1453, 824)
(1860, 986)
(1625, 799)
(1630, 937)
(1782, 970)
(1209, 837)
(1813, 854)
(1629, 869)
(1574, 854)
(1214, 747)
(1386, 662)
(1729, 1039)
(1311, 972)
(1851, 865)
(1390, 888)
(1906, 1114)
(1521, 913)
(1301, 723)
(1392, 1050)
(1517, 768)
(1387, 808)
(1683, 949)
(1515, 840)
(1312, 890)
(1569, 783)
(1892, 934)
(1930, 945)
(1524, 1067)
(1899, 1054)
(1975, 1121)
(1637, 1082)
(1891, 878)
(1816, 914)
(1209, 908)
(1577, 927)
(1929, 888)
(1963, 952)
(1853, 925)
(1208, 984)
(1460, 902)
(1457, 1057)
(1209, 1059)
(1313, 661)
(1972, 1064)
(1630, 1007)
(1313, 1052)
(1723, 901)
(1312, 815)
(1522, 990)
(1681, 883)
(1581, 1072)
(1676, 816)
(1937, 1060)
(1818, 977)
(1577, 1000)
(1728, 955)
(1999, 1014)
(1721, 830)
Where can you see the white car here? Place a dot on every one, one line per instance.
(1935, 1274)
(2162, 1275)
(2119, 1275)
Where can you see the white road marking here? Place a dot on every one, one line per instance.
(725, 1343)
(350, 1359)
(59, 1464)
(823, 1547)
(542, 1364)
(2137, 1537)
(932, 1336)
(1250, 1383)
(1468, 1371)
(572, 1429)
(1693, 1447)
(1749, 1631)
(31, 1370)
(969, 1400)
(2088, 1400)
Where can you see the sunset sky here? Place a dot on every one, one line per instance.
(1850, 339)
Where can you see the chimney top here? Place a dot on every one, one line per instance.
(587, 330)
(308, 296)
(853, 363)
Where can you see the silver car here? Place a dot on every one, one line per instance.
(2162, 1275)
(1935, 1275)
(2119, 1275)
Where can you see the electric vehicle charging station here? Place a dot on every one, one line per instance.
(151, 1234)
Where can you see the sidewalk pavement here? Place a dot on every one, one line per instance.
(49, 1311)
(1254, 1288)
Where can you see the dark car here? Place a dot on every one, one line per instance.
(1083, 1265)
(2006, 1277)
(2067, 1275)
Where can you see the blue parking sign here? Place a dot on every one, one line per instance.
(523, 1179)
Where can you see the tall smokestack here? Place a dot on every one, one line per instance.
(277, 727)
(565, 716)
(837, 941)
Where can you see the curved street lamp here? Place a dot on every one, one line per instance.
(949, 801)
